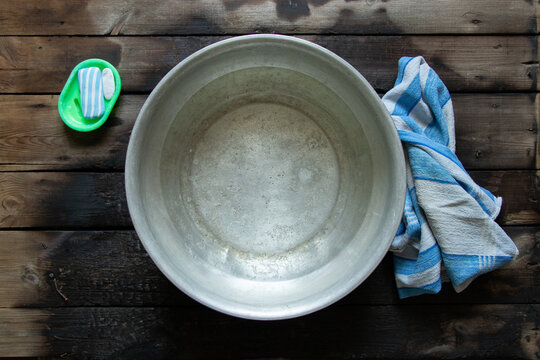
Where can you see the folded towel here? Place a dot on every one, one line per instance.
(92, 103)
(448, 219)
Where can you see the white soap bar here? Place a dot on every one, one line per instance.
(108, 83)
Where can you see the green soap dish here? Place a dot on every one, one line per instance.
(70, 98)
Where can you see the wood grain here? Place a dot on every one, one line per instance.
(497, 131)
(537, 112)
(520, 193)
(494, 131)
(464, 63)
(134, 17)
(448, 331)
(111, 268)
(120, 306)
(23, 332)
(58, 200)
(62, 200)
(33, 137)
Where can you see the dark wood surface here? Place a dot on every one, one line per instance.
(75, 281)
(495, 131)
(42, 64)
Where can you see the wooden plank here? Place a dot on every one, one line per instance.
(537, 11)
(520, 193)
(97, 268)
(132, 17)
(465, 63)
(111, 268)
(480, 331)
(537, 115)
(33, 137)
(497, 131)
(23, 332)
(63, 199)
(494, 131)
(59, 200)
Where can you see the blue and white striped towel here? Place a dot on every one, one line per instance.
(448, 219)
(91, 88)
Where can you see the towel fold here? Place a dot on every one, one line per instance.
(448, 223)
(90, 85)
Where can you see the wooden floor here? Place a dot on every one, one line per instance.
(75, 281)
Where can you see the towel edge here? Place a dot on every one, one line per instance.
(498, 204)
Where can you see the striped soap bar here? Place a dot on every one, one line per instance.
(92, 103)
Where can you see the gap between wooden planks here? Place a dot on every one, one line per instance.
(134, 17)
(111, 268)
(493, 131)
(420, 331)
(464, 63)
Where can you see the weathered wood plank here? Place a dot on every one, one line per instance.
(494, 131)
(497, 131)
(465, 63)
(58, 200)
(110, 268)
(33, 137)
(520, 193)
(98, 268)
(23, 332)
(134, 17)
(83, 200)
(537, 17)
(481, 331)
(537, 116)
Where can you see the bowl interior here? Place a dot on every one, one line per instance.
(266, 184)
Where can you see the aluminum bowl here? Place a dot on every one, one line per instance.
(265, 177)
